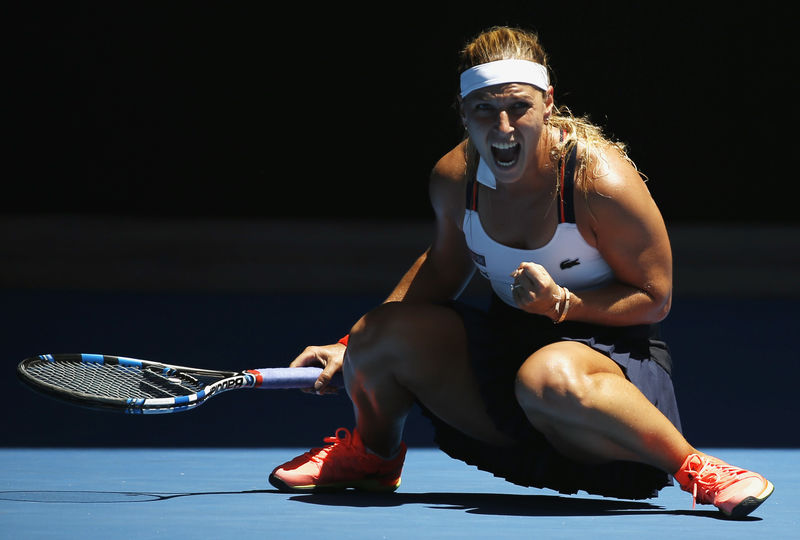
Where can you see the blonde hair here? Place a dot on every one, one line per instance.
(503, 43)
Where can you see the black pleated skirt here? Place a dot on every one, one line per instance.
(501, 338)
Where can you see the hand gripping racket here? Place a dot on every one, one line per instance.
(143, 387)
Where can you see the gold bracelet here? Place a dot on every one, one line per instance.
(557, 307)
(566, 306)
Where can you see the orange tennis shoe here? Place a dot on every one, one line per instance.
(736, 492)
(344, 463)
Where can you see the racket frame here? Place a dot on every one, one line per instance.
(225, 380)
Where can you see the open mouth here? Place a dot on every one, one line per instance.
(505, 153)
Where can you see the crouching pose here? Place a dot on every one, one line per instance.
(562, 381)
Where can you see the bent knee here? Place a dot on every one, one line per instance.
(414, 338)
(384, 325)
(551, 379)
(373, 334)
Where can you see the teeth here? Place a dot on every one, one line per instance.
(504, 145)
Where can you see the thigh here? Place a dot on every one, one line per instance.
(562, 366)
(423, 347)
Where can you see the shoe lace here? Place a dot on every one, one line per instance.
(710, 478)
(341, 444)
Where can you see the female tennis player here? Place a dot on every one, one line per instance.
(562, 382)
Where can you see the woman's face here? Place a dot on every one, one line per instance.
(506, 122)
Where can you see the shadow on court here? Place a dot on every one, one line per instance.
(502, 504)
(496, 504)
(106, 497)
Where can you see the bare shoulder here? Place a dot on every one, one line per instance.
(447, 182)
(613, 185)
(451, 168)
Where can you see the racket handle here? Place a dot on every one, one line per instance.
(287, 378)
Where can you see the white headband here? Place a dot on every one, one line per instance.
(502, 72)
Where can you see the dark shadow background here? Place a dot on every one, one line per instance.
(209, 115)
(241, 109)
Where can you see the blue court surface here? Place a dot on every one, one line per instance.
(66, 472)
(223, 493)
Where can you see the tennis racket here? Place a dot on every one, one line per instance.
(143, 387)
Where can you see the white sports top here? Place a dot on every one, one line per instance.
(569, 259)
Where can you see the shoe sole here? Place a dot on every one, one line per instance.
(750, 503)
(367, 484)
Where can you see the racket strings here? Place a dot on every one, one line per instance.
(112, 381)
(171, 384)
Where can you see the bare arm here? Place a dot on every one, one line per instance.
(619, 217)
(631, 236)
(445, 268)
(439, 274)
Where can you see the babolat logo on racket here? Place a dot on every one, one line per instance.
(227, 384)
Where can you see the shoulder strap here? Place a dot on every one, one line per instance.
(566, 188)
(472, 194)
